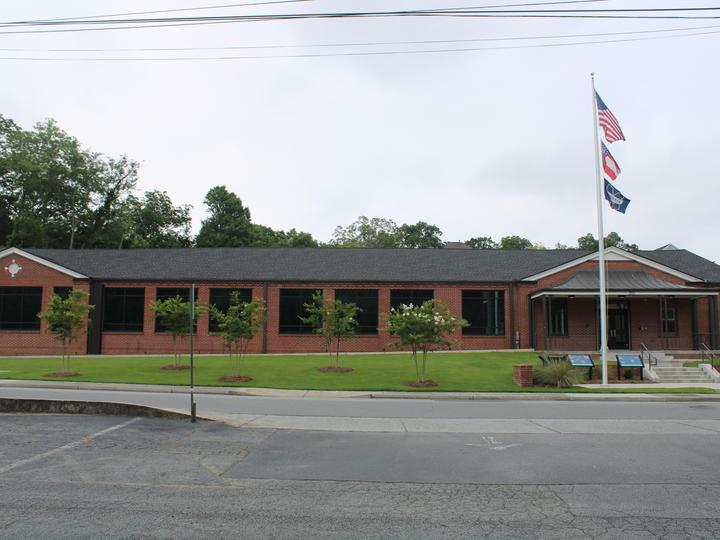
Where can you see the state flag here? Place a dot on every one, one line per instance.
(617, 200)
(610, 166)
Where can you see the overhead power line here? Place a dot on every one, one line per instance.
(362, 53)
(364, 43)
(638, 13)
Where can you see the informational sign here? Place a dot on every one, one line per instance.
(629, 360)
(580, 360)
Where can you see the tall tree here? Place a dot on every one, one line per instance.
(157, 222)
(228, 224)
(481, 242)
(366, 232)
(419, 235)
(589, 243)
(515, 242)
(56, 193)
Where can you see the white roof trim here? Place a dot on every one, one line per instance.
(40, 260)
(615, 254)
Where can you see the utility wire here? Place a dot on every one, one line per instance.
(459, 12)
(364, 53)
(366, 44)
(176, 10)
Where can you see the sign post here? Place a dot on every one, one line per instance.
(193, 417)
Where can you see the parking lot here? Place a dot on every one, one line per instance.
(116, 477)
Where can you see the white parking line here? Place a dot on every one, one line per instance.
(68, 446)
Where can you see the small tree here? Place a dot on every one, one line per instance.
(333, 320)
(423, 329)
(174, 315)
(65, 318)
(238, 326)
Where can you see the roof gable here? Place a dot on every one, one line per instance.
(617, 254)
(40, 260)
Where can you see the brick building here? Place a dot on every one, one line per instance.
(543, 299)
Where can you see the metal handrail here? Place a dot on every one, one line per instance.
(706, 353)
(651, 358)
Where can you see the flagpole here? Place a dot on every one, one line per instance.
(601, 239)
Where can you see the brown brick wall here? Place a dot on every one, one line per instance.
(582, 316)
(36, 275)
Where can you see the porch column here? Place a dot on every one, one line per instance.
(694, 324)
(715, 342)
(545, 323)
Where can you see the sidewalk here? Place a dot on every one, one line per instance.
(274, 392)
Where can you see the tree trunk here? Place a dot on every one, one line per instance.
(337, 352)
(414, 355)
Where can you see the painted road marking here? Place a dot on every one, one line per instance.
(68, 446)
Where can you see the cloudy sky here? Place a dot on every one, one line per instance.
(489, 142)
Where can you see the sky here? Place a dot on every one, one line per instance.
(492, 142)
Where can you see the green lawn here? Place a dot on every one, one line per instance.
(479, 372)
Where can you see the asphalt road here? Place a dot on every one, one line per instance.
(391, 408)
(116, 477)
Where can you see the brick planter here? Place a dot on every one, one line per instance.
(523, 374)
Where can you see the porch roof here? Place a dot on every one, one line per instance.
(622, 283)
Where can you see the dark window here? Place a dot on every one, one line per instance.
(62, 292)
(172, 292)
(19, 308)
(558, 316)
(485, 311)
(367, 301)
(124, 309)
(292, 307)
(409, 296)
(669, 318)
(220, 298)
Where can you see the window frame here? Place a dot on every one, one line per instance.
(552, 309)
(159, 329)
(299, 328)
(245, 296)
(477, 331)
(124, 326)
(409, 292)
(367, 325)
(29, 324)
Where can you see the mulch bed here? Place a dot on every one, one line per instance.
(421, 384)
(62, 374)
(175, 367)
(234, 378)
(334, 369)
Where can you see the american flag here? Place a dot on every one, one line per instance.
(608, 122)
(611, 167)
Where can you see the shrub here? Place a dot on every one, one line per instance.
(627, 373)
(559, 374)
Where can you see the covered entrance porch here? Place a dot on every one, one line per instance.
(642, 310)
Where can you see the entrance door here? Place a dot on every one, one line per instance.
(618, 327)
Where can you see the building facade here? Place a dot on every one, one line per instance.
(542, 299)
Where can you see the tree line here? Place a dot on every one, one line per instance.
(54, 193)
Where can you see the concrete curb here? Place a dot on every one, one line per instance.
(271, 392)
(57, 406)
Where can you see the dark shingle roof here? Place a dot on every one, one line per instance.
(686, 261)
(339, 264)
(309, 264)
(618, 280)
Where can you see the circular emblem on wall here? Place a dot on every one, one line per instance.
(13, 268)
